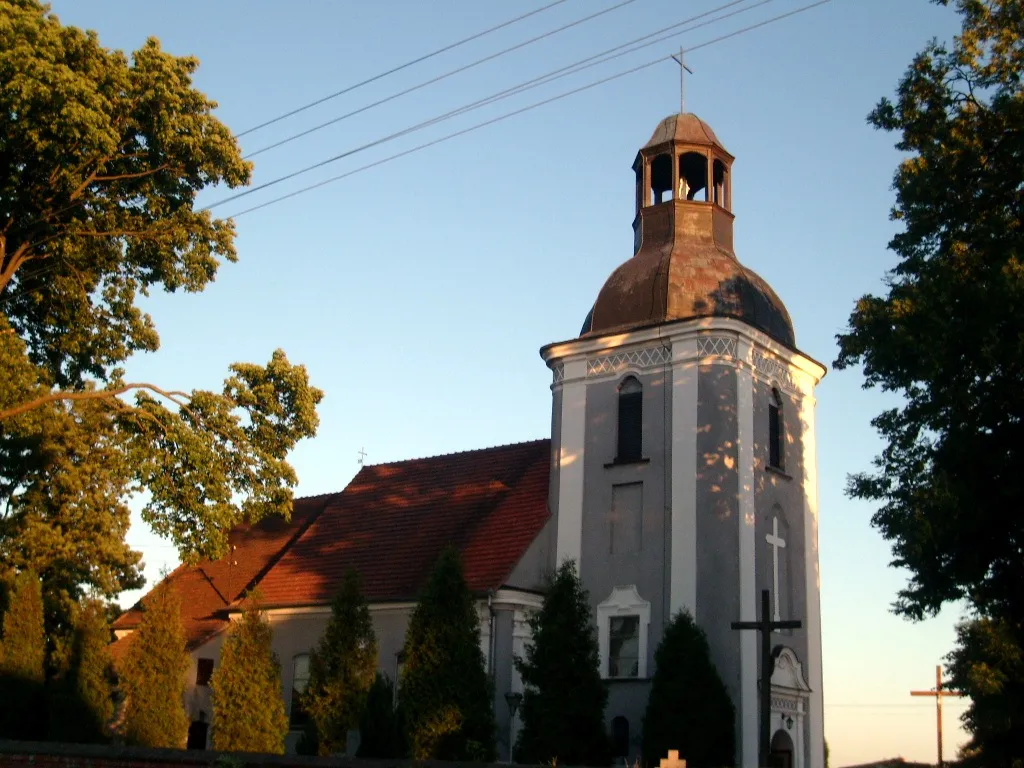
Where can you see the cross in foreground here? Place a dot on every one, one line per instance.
(938, 693)
(765, 625)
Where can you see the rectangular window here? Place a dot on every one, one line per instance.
(625, 519)
(300, 679)
(624, 646)
(774, 436)
(204, 671)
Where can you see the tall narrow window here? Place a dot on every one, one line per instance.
(204, 671)
(776, 431)
(300, 679)
(631, 420)
(624, 646)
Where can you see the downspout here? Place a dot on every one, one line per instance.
(491, 640)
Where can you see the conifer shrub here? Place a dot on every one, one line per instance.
(152, 674)
(341, 669)
(22, 661)
(248, 710)
(444, 693)
(689, 708)
(380, 730)
(562, 712)
(82, 703)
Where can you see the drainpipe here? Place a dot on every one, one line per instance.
(491, 640)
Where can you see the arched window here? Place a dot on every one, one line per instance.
(721, 184)
(300, 679)
(620, 737)
(661, 179)
(631, 420)
(693, 176)
(776, 431)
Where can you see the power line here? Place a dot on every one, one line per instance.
(439, 78)
(399, 68)
(514, 90)
(509, 114)
(543, 79)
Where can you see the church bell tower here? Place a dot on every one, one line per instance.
(684, 470)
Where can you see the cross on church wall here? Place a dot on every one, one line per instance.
(776, 542)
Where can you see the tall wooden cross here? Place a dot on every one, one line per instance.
(680, 59)
(765, 625)
(938, 693)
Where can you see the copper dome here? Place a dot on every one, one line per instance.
(685, 267)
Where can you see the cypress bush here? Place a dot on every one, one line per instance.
(445, 695)
(380, 732)
(152, 674)
(689, 708)
(22, 661)
(248, 710)
(341, 669)
(82, 705)
(562, 713)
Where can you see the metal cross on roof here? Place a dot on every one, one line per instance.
(680, 59)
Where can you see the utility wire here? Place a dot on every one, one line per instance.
(514, 90)
(520, 111)
(399, 68)
(440, 77)
(522, 86)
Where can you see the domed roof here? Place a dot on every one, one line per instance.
(671, 284)
(686, 128)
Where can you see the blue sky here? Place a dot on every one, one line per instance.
(419, 292)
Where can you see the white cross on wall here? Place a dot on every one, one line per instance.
(776, 544)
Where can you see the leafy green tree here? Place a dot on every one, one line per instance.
(563, 705)
(689, 708)
(22, 660)
(152, 674)
(83, 703)
(248, 711)
(949, 333)
(101, 161)
(380, 732)
(445, 694)
(341, 669)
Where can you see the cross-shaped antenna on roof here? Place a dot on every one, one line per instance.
(680, 59)
(362, 457)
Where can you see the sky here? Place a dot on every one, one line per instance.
(418, 292)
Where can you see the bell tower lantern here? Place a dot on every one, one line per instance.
(683, 185)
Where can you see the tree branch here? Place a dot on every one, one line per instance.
(98, 394)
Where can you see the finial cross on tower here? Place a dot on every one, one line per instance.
(362, 457)
(680, 59)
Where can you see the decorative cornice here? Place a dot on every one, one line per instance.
(643, 358)
(557, 373)
(716, 346)
(773, 369)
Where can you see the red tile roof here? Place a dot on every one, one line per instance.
(393, 520)
(207, 589)
(390, 524)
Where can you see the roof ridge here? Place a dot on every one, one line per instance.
(536, 441)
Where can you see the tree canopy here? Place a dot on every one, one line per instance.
(689, 708)
(444, 692)
(948, 334)
(341, 669)
(248, 711)
(102, 157)
(562, 712)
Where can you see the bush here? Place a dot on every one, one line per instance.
(22, 661)
(564, 701)
(380, 732)
(248, 711)
(83, 704)
(689, 708)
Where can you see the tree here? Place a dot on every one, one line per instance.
(563, 705)
(949, 333)
(341, 669)
(101, 161)
(248, 711)
(689, 708)
(445, 695)
(22, 659)
(83, 702)
(380, 732)
(152, 674)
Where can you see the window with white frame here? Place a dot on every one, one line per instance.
(298, 717)
(623, 622)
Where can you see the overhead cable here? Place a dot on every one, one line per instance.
(399, 68)
(520, 111)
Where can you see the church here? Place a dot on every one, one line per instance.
(680, 474)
